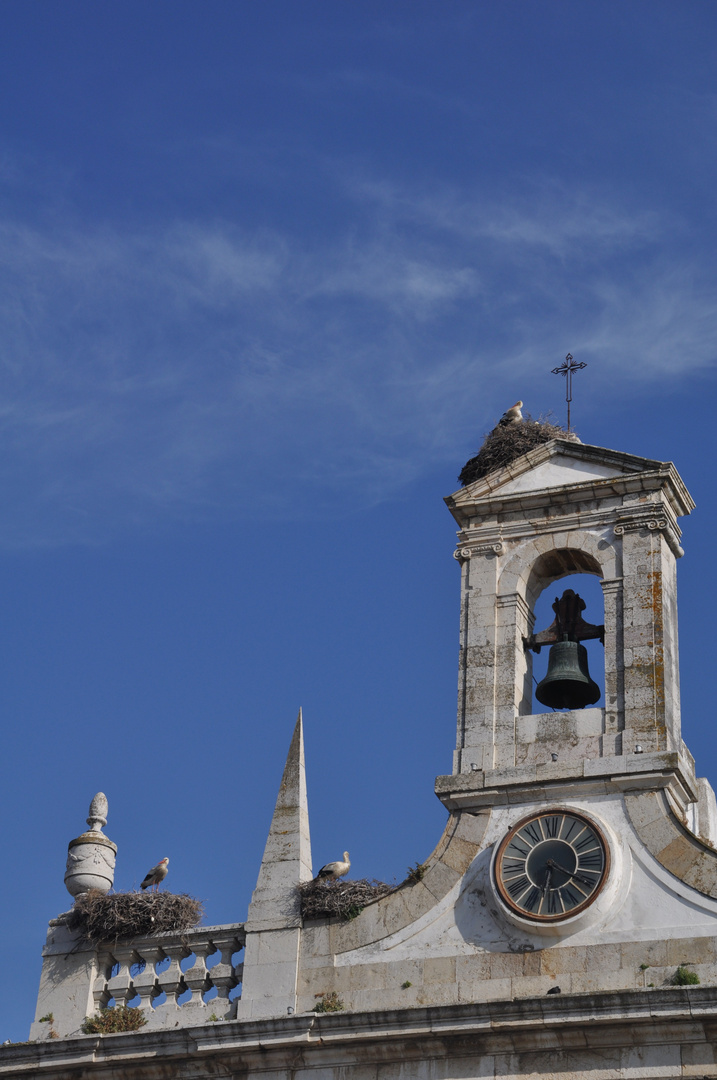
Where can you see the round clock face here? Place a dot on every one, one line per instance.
(551, 865)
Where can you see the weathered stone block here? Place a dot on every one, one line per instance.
(440, 879)
(554, 962)
(459, 855)
(698, 1060)
(417, 900)
(679, 856)
(485, 990)
(593, 981)
(538, 985)
(702, 950)
(371, 976)
(439, 970)
(506, 965)
(635, 953)
(471, 827)
(473, 968)
(702, 874)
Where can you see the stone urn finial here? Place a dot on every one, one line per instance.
(91, 856)
(98, 812)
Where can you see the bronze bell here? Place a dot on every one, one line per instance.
(567, 684)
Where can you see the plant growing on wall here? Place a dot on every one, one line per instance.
(329, 1003)
(684, 977)
(110, 1021)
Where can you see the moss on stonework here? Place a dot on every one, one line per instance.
(684, 977)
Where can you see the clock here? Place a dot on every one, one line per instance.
(551, 865)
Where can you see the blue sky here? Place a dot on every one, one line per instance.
(268, 272)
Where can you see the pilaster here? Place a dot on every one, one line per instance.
(651, 671)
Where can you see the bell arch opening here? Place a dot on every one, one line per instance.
(566, 676)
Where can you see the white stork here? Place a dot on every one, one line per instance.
(156, 875)
(511, 415)
(334, 870)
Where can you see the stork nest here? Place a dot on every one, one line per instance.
(506, 442)
(339, 899)
(121, 916)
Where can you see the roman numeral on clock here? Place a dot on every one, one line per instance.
(517, 888)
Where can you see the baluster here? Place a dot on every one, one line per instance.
(146, 982)
(196, 977)
(100, 993)
(172, 980)
(121, 987)
(223, 974)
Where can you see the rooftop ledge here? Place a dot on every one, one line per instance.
(519, 1023)
(60, 940)
(555, 779)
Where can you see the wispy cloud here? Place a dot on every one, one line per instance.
(179, 371)
(544, 215)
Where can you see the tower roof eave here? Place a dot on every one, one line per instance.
(572, 472)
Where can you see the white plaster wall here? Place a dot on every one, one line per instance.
(641, 903)
(558, 471)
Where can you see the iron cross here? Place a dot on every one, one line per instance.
(567, 368)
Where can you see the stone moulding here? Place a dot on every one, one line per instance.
(595, 776)
(587, 1034)
(646, 523)
(672, 844)
(463, 553)
(670, 529)
(635, 474)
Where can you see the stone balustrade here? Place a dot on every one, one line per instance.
(129, 970)
(198, 971)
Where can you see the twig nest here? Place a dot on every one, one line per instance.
(326, 899)
(506, 442)
(122, 916)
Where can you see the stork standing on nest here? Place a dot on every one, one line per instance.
(156, 875)
(334, 870)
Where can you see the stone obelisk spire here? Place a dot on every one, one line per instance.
(274, 921)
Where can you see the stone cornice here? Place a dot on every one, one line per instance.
(484, 497)
(491, 538)
(556, 780)
(615, 1019)
(589, 491)
(60, 940)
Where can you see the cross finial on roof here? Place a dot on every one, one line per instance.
(567, 368)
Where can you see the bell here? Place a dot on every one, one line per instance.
(567, 684)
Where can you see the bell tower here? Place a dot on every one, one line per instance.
(567, 508)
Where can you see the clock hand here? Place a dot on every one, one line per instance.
(571, 873)
(546, 883)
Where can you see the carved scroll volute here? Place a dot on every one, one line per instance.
(91, 856)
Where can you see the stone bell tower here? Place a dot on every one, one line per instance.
(565, 508)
